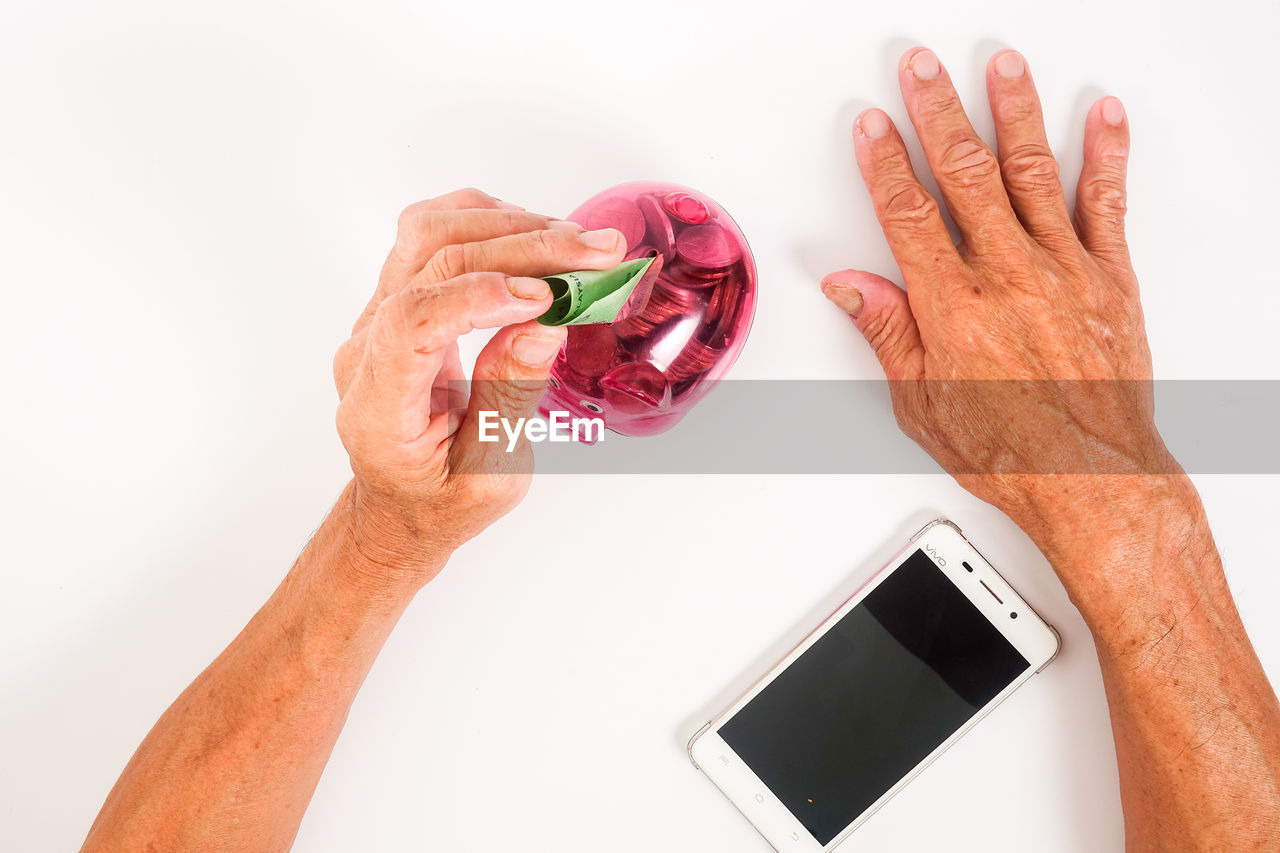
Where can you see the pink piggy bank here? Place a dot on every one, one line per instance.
(674, 339)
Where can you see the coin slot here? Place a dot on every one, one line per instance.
(990, 590)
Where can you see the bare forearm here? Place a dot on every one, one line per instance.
(234, 761)
(1196, 723)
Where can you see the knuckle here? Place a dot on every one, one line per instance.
(410, 219)
(968, 162)
(1104, 195)
(1031, 168)
(878, 331)
(470, 197)
(447, 262)
(417, 305)
(1019, 108)
(512, 396)
(545, 243)
(939, 103)
(885, 331)
(908, 204)
(396, 317)
(416, 232)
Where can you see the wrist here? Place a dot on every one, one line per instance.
(385, 552)
(1074, 517)
(1134, 552)
(349, 585)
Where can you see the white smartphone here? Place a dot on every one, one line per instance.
(881, 688)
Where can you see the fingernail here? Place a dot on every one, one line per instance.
(846, 297)
(528, 288)
(564, 225)
(1010, 65)
(534, 350)
(925, 66)
(874, 124)
(603, 240)
(1112, 111)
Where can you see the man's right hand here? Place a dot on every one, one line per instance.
(423, 482)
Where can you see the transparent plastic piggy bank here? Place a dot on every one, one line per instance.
(679, 332)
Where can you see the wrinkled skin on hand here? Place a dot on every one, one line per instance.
(423, 482)
(1017, 356)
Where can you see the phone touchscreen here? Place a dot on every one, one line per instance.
(873, 697)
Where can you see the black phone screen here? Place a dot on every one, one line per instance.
(878, 692)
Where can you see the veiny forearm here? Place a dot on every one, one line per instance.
(1196, 723)
(234, 761)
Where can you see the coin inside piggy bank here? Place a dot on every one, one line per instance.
(677, 335)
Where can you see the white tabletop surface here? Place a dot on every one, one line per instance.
(194, 204)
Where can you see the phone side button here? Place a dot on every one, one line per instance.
(918, 533)
(936, 521)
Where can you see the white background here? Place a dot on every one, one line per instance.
(196, 202)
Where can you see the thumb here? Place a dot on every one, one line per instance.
(880, 310)
(509, 379)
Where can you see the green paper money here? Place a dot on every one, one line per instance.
(592, 296)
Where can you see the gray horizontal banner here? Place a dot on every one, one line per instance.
(849, 427)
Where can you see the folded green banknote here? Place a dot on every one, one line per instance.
(592, 296)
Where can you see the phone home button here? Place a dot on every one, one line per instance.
(759, 798)
(795, 836)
